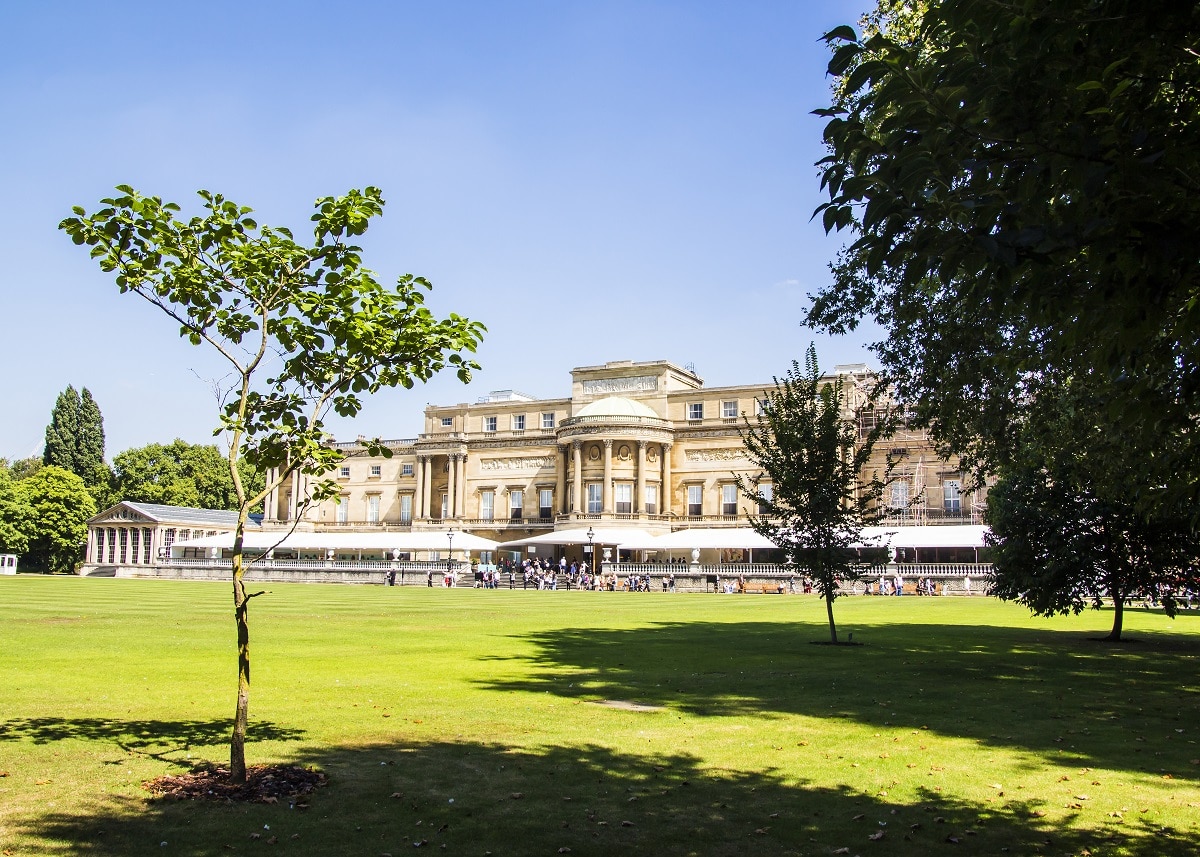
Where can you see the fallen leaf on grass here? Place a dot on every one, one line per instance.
(876, 835)
(628, 824)
(517, 795)
(842, 851)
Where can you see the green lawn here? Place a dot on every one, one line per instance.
(505, 722)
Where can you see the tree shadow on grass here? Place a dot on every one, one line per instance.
(1051, 693)
(473, 798)
(164, 740)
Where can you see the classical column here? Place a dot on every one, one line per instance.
(666, 479)
(294, 508)
(560, 478)
(425, 498)
(460, 498)
(639, 499)
(271, 510)
(452, 472)
(577, 479)
(419, 472)
(606, 489)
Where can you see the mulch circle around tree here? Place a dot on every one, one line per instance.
(264, 784)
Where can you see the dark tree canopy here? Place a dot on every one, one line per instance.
(1066, 528)
(813, 493)
(1022, 186)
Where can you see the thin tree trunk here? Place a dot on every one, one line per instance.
(1118, 615)
(829, 611)
(241, 606)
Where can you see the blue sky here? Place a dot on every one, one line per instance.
(593, 180)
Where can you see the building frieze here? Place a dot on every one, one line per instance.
(526, 463)
(725, 454)
(610, 386)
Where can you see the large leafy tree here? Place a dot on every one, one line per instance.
(56, 505)
(1021, 182)
(805, 440)
(303, 328)
(75, 440)
(62, 434)
(180, 474)
(16, 518)
(1066, 531)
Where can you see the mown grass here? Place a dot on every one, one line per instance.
(526, 723)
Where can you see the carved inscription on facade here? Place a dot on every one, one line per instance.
(639, 384)
(526, 463)
(715, 454)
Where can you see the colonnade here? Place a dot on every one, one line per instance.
(606, 490)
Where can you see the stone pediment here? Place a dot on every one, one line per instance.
(122, 515)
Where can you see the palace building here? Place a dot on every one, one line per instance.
(635, 444)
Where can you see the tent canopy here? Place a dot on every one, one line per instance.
(430, 540)
(937, 536)
(626, 537)
(706, 537)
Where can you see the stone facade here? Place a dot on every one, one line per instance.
(643, 444)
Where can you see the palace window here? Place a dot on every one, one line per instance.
(136, 536)
(489, 423)
(729, 499)
(729, 410)
(406, 508)
(952, 496)
(100, 544)
(595, 498)
(184, 535)
(376, 469)
(124, 533)
(406, 470)
(518, 422)
(899, 496)
(765, 494)
(447, 422)
(695, 500)
(146, 545)
(112, 545)
(343, 509)
(546, 503)
(344, 471)
(624, 498)
(651, 499)
(548, 421)
(445, 506)
(373, 509)
(516, 505)
(487, 505)
(695, 411)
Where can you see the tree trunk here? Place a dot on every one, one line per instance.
(1118, 598)
(241, 605)
(829, 611)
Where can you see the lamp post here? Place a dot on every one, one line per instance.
(450, 554)
(591, 534)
